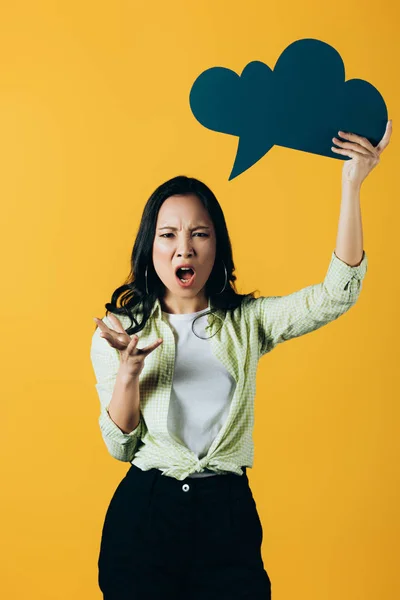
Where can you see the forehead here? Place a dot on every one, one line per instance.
(187, 208)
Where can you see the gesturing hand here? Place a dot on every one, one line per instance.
(364, 155)
(131, 357)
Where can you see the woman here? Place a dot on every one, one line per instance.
(176, 376)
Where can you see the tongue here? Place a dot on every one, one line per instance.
(185, 274)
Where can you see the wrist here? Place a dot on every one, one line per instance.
(126, 376)
(353, 186)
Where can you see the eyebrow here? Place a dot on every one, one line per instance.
(176, 229)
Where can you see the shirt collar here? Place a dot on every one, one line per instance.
(156, 310)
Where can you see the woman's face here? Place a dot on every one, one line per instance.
(184, 234)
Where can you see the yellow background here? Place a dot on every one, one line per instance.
(94, 116)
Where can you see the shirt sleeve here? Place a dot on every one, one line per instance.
(105, 361)
(281, 318)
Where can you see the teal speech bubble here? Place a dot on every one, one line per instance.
(301, 104)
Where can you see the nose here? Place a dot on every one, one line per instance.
(185, 247)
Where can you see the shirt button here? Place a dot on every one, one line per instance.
(185, 487)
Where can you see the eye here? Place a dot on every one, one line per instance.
(197, 233)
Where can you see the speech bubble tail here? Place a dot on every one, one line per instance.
(248, 153)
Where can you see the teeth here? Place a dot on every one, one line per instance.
(185, 280)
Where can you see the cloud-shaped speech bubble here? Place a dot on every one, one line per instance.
(301, 104)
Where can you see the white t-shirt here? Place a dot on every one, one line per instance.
(202, 388)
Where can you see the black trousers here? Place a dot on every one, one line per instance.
(196, 539)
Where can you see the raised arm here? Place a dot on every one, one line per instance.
(364, 157)
(281, 318)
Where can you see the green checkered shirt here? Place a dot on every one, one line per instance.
(241, 337)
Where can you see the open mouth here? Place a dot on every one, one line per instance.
(185, 277)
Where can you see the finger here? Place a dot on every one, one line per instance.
(105, 335)
(111, 339)
(346, 152)
(116, 322)
(353, 137)
(152, 347)
(103, 327)
(351, 146)
(114, 339)
(132, 343)
(386, 138)
(104, 330)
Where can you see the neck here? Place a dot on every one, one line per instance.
(177, 305)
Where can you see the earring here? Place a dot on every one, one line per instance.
(226, 279)
(147, 289)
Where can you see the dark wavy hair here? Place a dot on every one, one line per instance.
(132, 293)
